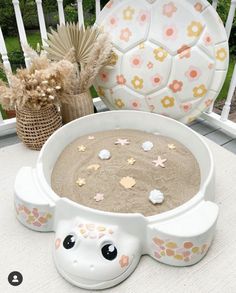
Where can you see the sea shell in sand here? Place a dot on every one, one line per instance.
(156, 196)
(147, 146)
(104, 155)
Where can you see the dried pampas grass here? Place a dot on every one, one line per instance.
(43, 83)
(70, 36)
(88, 48)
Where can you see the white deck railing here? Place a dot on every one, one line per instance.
(8, 126)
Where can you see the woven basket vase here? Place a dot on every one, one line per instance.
(77, 106)
(34, 127)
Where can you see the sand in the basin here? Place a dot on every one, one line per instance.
(179, 180)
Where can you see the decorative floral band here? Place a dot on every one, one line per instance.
(33, 217)
(186, 252)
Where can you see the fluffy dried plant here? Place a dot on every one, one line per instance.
(42, 84)
(88, 48)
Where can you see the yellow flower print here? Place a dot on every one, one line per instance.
(128, 13)
(101, 92)
(119, 103)
(113, 59)
(137, 82)
(199, 91)
(221, 54)
(168, 102)
(160, 54)
(195, 29)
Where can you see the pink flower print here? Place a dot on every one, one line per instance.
(156, 80)
(150, 65)
(170, 32)
(109, 4)
(104, 76)
(193, 73)
(186, 107)
(143, 17)
(176, 86)
(198, 6)
(169, 9)
(207, 40)
(210, 66)
(120, 79)
(135, 104)
(136, 61)
(113, 21)
(57, 243)
(208, 102)
(184, 52)
(125, 34)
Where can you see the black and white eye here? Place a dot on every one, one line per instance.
(109, 251)
(69, 241)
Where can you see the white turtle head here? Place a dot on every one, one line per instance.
(94, 256)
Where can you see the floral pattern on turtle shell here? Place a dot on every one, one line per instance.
(125, 35)
(93, 231)
(193, 73)
(184, 252)
(176, 86)
(199, 91)
(33, 216)
(170, 32)
(221, 54)
(184, 52)
(128, 13)
(144, 17)
(137, 82)
(168, 102)
(195, 29)
(160, 54)
(119, 103)
(136, 61)
(169, 9)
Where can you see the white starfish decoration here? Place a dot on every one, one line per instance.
(81, 181)
(171, 146)
(159, 162)
(99, 197)
(122, 141)
(81, 148)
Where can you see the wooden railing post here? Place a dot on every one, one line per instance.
(226, 109)
(215, 3)
(98, 8)
(80, 12)
(228, 27)
(42, 25)
(61, 12)
(230, 18)
(21, 30)
(3, 52)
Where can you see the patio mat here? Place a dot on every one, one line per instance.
(31, 252)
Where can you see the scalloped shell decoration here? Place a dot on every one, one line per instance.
(170, 57)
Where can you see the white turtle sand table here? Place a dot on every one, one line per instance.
(99, 184)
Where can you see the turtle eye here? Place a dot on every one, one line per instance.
(109, 251)
(69, 241)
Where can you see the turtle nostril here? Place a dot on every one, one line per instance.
(75, 262)
(92, 268)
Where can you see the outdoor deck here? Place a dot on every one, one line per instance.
(200, 126)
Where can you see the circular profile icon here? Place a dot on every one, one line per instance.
(15, 278)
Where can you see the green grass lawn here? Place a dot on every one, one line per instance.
(13, 45)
